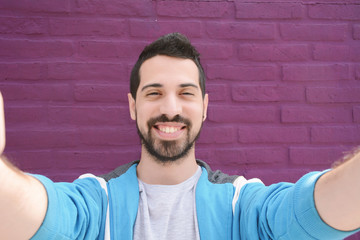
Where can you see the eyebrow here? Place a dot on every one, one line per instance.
(158, 85)
(184, 85)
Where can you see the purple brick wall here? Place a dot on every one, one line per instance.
(283, 79)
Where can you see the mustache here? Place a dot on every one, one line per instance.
(164, 118)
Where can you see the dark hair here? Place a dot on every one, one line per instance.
(172, 45)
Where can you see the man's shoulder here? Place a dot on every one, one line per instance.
(217, 176)
(118, 171)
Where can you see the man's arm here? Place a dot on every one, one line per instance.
(23, 203)
(337, 195)
(23, 199)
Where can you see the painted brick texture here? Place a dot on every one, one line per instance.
(283, 79)
(281, 76)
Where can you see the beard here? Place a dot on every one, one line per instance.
(168, 151)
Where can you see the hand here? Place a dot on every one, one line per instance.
(2, 125)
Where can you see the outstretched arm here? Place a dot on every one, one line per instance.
(23, 199)
(337, 195)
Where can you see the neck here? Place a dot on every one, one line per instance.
(152, 171)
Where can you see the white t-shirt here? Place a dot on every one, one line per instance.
(167, 211)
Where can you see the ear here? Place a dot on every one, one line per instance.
(205, 102)
(132, 107)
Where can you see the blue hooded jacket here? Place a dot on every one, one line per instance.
(228, 207)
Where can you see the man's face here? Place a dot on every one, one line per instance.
(169, 109)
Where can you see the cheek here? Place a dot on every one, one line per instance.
(197, 113)
(143, 114)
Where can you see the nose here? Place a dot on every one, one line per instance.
(171, 106)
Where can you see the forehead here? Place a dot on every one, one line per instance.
(168, 71)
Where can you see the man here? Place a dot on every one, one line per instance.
(169, 194)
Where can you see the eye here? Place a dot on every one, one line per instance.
(187, 93)
(153, 94)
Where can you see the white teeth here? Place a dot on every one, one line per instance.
(169, 129)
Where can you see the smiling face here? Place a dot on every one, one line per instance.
(169, 109)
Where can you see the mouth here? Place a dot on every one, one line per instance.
(170, 130)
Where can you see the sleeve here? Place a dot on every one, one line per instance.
(282, 211)
(75, 210)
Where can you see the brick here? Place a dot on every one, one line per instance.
(333, 94)
(86, 71)
(89, 160)
(356, 31)
(35, 92)
(249, 156)
(357, 72)
(342, 11)
(269, 10)
(137, 8)
(202, 152)
(97, 49)
(241, 31)
(192, 9)
(26, 26)
(243, 72)
(29, 115)
(156, 29)
(329, 52)
(267, 155)
(315, 72)
(109, 136)
(101, 93)
(85, 27)
(356, 113)
(215, 51)
(336, 134)
(205, 151)
(23, 71)
(273, 53)
(217, 92)
(89, 115)
(242, 114)
(270, 93)
(324, 156)
(35, 49)
(313, 32)
(56, 6)
(41, 138)
(223, 135)
(305, 114)
(31, 160)
(269, 134)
